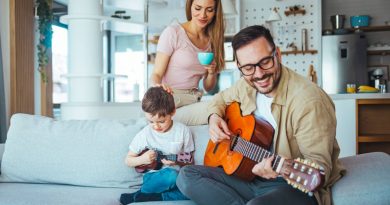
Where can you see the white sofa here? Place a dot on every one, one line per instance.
(81, 162)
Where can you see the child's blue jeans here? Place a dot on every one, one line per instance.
(164, 182)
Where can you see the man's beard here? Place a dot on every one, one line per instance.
(274, 84)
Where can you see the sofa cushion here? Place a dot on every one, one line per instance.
(365, 182)
(86, 153)
(54, 194)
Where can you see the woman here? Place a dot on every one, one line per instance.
(177, 68)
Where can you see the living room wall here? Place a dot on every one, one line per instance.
(3, 126)
(5, 53)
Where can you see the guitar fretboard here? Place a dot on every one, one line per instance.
(171, 157)
(254, 152)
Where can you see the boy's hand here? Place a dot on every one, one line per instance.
(167, 162)
(149, 156)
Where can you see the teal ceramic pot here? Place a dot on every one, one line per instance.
(360, 21)
(205, 58)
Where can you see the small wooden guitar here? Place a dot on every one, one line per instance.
(184, 157)
(253, 137)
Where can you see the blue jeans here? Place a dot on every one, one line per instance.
(164, 182)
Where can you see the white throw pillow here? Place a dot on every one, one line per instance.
(85, 152)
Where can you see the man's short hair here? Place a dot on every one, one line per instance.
(249, 34)
(159, 102)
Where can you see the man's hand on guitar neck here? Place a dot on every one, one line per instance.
(264, 168)
(218, 129)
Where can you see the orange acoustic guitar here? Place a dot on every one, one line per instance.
(252, 137)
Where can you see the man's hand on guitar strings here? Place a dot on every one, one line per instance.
(218, 129)
(264, 168)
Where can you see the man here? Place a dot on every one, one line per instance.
(301, 113)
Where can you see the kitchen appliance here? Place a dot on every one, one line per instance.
(344, 61)
(377, 74)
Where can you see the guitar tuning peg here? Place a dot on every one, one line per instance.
(299, 159)
(295, 185)
(310, 194)
(306, 162)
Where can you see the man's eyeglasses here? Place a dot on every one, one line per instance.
(265, 64)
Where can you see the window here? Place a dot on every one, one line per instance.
(124, 57)
(60, 64)
(129, 66)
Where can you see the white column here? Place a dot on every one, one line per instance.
(85, 54)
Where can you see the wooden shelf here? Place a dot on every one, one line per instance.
(379, 52)
(295, 12)
(153, 41)
(299, 52)
(372, 28)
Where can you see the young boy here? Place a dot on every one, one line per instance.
(163, 135)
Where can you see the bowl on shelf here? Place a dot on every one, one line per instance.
(360, 21)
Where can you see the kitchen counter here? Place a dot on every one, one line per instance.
(345, 96)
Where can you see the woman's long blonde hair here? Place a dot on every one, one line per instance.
(215, 30)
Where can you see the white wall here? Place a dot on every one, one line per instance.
(161, 15)
(5, 46)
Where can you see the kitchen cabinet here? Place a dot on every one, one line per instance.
(363, 121)
(372, 125)
(346, 126)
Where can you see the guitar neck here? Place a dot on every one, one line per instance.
(170, 157)
(256, 153)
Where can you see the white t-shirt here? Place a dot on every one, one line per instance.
(176, 140)
(263, 109)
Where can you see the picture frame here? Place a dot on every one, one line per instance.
(385, 69)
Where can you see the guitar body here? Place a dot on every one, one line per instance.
(247, 127)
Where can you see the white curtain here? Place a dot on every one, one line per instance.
(3, 128)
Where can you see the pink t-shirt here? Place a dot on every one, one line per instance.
(184, 70)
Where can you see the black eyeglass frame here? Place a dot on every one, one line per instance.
(258, 64)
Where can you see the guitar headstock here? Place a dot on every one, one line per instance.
(303, 174)
(184, 157)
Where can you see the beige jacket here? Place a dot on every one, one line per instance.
(305, 118)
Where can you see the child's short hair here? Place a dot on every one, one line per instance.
(159, 102)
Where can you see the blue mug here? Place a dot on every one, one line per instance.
(205, 58)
